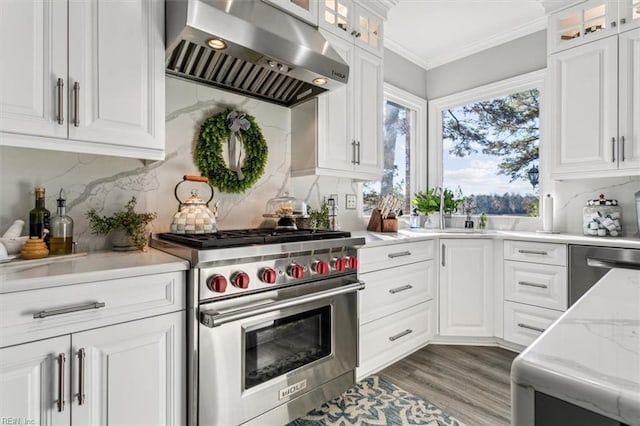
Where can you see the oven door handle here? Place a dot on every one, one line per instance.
(214, 319)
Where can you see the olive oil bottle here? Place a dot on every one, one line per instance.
(39, 218)
(61, 241)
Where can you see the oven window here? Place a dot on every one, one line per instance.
(286, 344)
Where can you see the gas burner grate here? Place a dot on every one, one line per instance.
(248, 237)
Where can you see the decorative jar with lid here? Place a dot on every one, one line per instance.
(602, 218)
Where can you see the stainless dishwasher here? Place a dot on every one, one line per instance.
(587, 264)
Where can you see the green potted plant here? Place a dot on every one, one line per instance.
(426, 203)
(127, 227)
(452, 200)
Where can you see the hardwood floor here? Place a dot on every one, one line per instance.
(470, 383)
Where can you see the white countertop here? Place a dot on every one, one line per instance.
(383, 238)
(591, 356)
(52, 272)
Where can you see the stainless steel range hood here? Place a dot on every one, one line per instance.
(269, 54)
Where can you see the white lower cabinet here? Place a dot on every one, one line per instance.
(466, 287)
(524, 323)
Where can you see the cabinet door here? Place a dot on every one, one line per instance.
(336, 149)
(368, 113)
(336, 16)
(630, 99)
(368, 27)
(629, 14)
(466, 288)
(29, 382)
(307, 10)
(33, 47)
(116, 72)
(584, 121)
(134, 373)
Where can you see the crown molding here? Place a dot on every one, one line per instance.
(471, 48)
(379, 7)
(551, 6)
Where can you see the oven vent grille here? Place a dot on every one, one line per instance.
(212, 67)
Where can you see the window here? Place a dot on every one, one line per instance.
(486, 147)
(404, 150)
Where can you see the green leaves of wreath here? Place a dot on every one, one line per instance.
(209, 159)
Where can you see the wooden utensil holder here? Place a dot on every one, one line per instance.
(378, 224)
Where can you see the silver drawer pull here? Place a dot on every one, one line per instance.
(399, 289)
(77, 308)
(399, 254)
(401, 334)
(539, 252)
(81, 362)
(533, 284)
(530, 327)
(60, 401)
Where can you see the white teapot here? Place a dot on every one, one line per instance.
(194, 215)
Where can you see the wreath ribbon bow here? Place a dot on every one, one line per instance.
(236, 121)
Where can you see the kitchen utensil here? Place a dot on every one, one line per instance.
(194, 215)
(286, 209)
(14, 230)
(13, 245)
(34, 248)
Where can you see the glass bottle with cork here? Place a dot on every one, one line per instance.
(39, 218)
(61, 230)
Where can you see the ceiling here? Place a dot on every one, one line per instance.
(434, 32)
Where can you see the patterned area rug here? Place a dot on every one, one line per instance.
(374, 401)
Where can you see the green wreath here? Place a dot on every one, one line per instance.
(216, 131)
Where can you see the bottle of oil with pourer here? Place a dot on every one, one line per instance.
(61, 241)
(39, 218)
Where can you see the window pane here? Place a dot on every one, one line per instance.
(490, 152)
(396, 156)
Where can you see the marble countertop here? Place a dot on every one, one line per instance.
(98, 266)
(373, 239)
(591, 356)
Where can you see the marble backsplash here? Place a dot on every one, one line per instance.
(107, 183)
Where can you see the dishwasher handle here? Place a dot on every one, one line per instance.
(610, 264)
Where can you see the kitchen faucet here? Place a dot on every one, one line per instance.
(439, 190)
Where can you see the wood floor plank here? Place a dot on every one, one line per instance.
(471, 383)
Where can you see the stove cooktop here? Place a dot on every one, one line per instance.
(247, 237)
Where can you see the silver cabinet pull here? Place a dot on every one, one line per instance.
(614, 24)
(60, 114)
(399, 289)
(353, 152)
(81, 358)
(358, 146)
(613, 150)
(530, 327)
(621, 149)
(77, 308)
(533, 284)
(538, 252)
(444, 253)
(623, 21)
(399, 254)
(76, 104)
(61, 361)
(401, 334)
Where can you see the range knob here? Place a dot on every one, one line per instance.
(296, 271)
(339, 264)
(217, 283)
(240, 279)
(320, 267)
(268, 275)
(352, 262)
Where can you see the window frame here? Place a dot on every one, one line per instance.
(417, 137)
(535, 79)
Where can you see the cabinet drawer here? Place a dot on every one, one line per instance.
(536, 284)
(382, 257)
(124, 299)
(529, 251)
(524, 323)
(395, 289)
(395, 336)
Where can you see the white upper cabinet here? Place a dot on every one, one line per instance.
(307, 10)
(629, 14)
(352, 21)
(583, 23)
(629, 100)
(109, 101)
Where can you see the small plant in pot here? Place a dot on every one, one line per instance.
(426, 203)
(127, 228)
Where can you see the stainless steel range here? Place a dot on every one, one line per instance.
(273, 328)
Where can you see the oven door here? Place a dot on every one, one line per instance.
(261, 351)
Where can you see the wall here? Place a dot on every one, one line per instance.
(404, 74)
(107, 183)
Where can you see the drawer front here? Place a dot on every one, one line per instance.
(87, 305)
(536, 284)
(395, 289)
(395, 336)
(383, 257)
(524, 323)
(529, 251)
